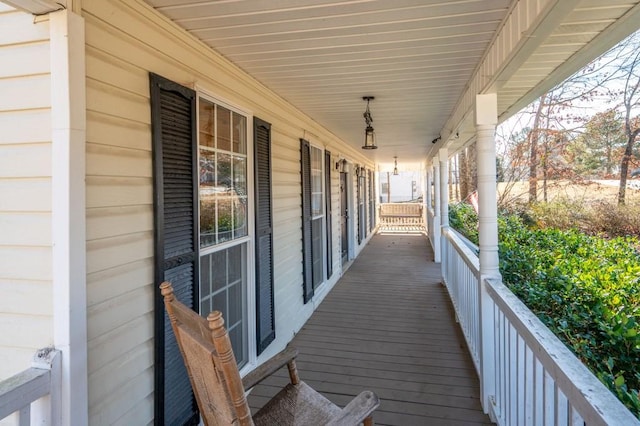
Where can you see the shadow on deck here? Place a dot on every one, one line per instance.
(388, 326)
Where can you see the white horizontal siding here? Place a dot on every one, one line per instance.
(17, 297)
(25, 59)
(25, 184)
(124, 43)
(24, 160)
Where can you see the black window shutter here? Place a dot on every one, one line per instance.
(307, 255)
(365, 204)
(176, 240)
(372, 212)
(359, 207)
(265, 320)
(327, 184)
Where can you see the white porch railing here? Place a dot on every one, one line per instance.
(462, 274)
(538, 381)
(32, 394)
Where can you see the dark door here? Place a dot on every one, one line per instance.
(344, 217)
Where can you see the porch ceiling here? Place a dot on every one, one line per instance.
(417, 57)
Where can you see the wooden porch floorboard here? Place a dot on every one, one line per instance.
(388, 326)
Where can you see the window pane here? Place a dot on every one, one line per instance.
(207, 220)
(236, 263)
(316, 204)
(237, 336)
(317, 252)
(220, 303)
(316, 182)
(240, 201)
(205, 306)
(240, 175)
(239, 133)
(207, 168)
(223, 129)
(205, 275)
(205, 120)
(224, 173)
(218, 270)
(240, 217)
(225, 218)
(316, 158)
(235, 304)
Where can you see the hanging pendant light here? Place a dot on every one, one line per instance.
(369, 133)
(395, 166)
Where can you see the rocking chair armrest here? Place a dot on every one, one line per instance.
(269, 367)
(360, 407)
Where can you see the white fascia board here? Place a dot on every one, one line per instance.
(36, 7)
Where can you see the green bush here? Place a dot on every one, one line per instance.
(585, 288)
(463, 218)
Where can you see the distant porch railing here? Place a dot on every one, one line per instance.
(402, 217)
(32, 394)
(530, 377)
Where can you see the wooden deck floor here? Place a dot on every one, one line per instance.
(388, 326)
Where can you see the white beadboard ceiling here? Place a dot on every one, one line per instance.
(415, 56)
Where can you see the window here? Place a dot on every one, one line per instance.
(317, 212)
(222, 149)
(313, 231)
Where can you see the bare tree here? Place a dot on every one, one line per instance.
(533, 137)
(464, 174)
(631, 100)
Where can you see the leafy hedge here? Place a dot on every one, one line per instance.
(586, 289)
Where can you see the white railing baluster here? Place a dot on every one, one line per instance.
(538, 381)
(538, 389)
(24, 416)
(529, 362)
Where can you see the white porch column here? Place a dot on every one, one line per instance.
(427, 184)
(486, 118)
(436, 211)
(427, 200)
(443, 157)
(68, 112)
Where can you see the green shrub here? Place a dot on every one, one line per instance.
(586, 289)
(463, 218)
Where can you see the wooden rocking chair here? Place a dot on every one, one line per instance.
(220, 392)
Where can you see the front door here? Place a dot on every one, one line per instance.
(344, 217)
